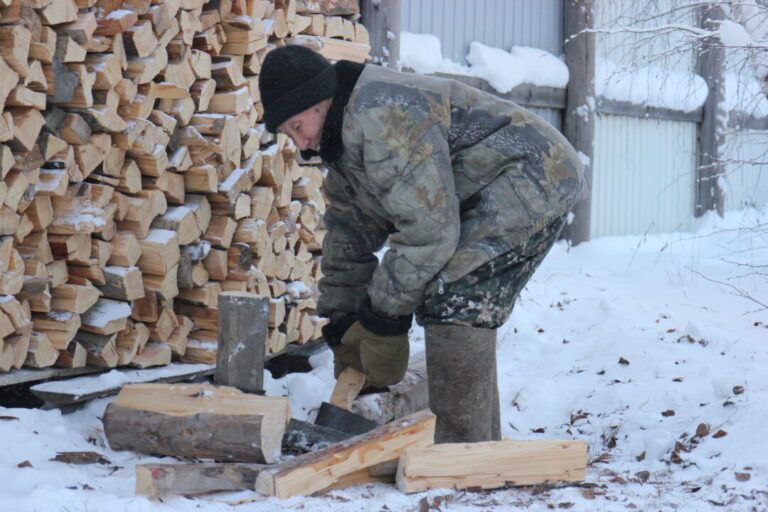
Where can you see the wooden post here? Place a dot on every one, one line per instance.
(711, 66)
(579, 118)
(382, 19)
(242, 341)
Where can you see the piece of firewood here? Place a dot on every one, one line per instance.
(490, 465)
(153, 354)
(101, 348)
(161, 480)
(106, 317)
(312, 472)
(194, 420)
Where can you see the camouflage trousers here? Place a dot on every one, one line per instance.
(485, 297)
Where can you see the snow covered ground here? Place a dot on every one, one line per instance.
(626, 342)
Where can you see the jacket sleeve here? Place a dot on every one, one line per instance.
(349, 245)
(407, 161)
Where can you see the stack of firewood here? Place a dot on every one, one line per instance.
(137, 181)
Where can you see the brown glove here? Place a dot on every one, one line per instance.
(382, 344)
(343, 355)
(383, 359)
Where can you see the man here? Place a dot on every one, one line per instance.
(470, 190)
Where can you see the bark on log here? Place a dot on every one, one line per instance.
(196, 421)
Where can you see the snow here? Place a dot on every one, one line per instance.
(81, 219)
(117, 378)
(652, 86)
(734, 34)
(176, 213)
(122, 271)
(118, 13)
(105, 311)
(693, 346)
(60, 316)
(160, 236)
(744, 93)
(503, 70)
(298, 290)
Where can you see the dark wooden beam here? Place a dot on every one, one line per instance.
(579, 117)
(711, 66)
(526, 95)
(746, 121)
(625, 108)
(243, 331)
(382, 19)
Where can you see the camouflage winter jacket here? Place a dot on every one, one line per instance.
(453, 176)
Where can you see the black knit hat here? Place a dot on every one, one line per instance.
(292, 79)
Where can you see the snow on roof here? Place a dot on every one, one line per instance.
(502, 69)
(652, 86)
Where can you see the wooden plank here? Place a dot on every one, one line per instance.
(625, 108)
(242, 341)
(382, 19)
(82, 389)
(490, 465)
(312, 472)
(579, 118)
(711, 66)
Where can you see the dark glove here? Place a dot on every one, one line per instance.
(382, 344)
(343, 355)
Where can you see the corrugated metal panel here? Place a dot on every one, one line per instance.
(550, 115)
(498, 23)
(746, 179)
(643, 176)
(670, 51)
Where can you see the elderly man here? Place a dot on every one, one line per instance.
(470, 190)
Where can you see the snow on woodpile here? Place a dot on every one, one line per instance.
(106, 311)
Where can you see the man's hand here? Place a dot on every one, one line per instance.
(383, 359)
(343, 355)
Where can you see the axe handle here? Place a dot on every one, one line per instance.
(348, 386)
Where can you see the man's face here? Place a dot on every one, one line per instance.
(306, 127)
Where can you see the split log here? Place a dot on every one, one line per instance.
(312, 472)
(490, 465)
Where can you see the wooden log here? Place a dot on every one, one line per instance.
(126, 250)
(312, 472)
(106, 317)
(490, 465)
(101, 348)
(196, 421)
(161, 480)
(130, 342)
(242, 341)
(159, 252)
(74, 356)
(153, 354)
(41, 352)
(122, 283)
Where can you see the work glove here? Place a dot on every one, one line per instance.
(381, 343)
(343, 355)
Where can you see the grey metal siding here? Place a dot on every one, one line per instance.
(498, 23)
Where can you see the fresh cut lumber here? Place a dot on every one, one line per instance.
(312, 472)
(197, 420)
(490, 465)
